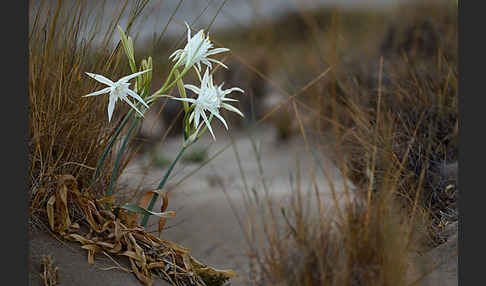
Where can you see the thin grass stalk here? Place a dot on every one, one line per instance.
(217, 13)
(240, 168)
(415, 204)
(375, 149)
(308, 150)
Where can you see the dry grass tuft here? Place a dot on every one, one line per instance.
(393, 116)
(117, 233)
(68, 133)
(367, 240)
(415, 96)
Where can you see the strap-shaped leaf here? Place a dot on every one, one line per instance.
(144, 211)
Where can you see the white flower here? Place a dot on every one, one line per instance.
(210, 98)
(118, 90)
(197, 51)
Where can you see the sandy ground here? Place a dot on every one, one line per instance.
(211, 213)
(73, 264)
(210, 202)
(438, 267)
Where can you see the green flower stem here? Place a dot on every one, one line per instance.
(182, 91)
(161, 185)
(118, 158)
(110, 145)
(166, 85)
(176, 80)
(185, 123)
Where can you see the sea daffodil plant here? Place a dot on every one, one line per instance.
(210, 98)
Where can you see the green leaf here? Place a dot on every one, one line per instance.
(145, 212)
(124, 40)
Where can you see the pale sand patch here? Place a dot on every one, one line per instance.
(206, 222)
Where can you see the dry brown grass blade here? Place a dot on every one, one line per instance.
(109, 200)
(129, 218)
(145, 280)
(198, 266)
(50, 274)
(78, 238)
(117, 268)
(155, 265)
(131, 254)
(37, 197)
(147, 197)
(50, 211)
(162, 220)
(61, 204)
(92, 249)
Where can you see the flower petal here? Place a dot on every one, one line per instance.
(193, 88)
(124, 98)
(191, 100)
(220, 118)
(197, 115)
(104, 90)
(178, 63)
(208, 125)
(216, 51)
(188, 31)
(176, 54)
(218, 62)
(206, 62)
(129, 77)
(137, 97)
(231, 108)
(228, 91)
(111, 106)
(206, 78)
(229, 99)
(101, 78)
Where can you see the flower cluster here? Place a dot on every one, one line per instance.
(210, 97)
